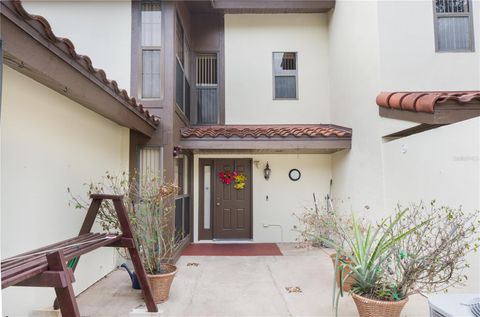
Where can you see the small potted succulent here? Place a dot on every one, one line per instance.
(150, 205)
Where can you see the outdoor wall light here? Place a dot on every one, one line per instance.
(266, 172)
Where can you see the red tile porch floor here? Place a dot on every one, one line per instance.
(234, 249)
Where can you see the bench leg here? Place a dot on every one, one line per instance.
(65, 296)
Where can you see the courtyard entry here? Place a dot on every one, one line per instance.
(225, 212)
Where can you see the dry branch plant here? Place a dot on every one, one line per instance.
(150, 205)
(433, 258)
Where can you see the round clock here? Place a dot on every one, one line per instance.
(294, 174)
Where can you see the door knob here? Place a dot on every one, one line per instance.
(218, 204)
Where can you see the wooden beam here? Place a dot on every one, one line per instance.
(57, 279)
(280, 145)
(443, 114)
(65, 295)
(274, 6)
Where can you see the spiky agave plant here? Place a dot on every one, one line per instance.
(365, 250)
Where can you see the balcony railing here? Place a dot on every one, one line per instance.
(182, 217)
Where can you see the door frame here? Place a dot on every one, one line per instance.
(208, 234)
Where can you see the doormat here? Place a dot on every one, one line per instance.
(234, 249)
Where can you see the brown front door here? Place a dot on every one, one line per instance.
(232, 217)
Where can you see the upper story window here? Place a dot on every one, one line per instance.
(285, 85)
(151, 24)
(453, 26)
(182, 51)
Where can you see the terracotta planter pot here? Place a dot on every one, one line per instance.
(160, 283)
(376, 308)
(347, 284)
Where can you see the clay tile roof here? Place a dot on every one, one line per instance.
(425, 101)
(41, 24)
(267, 131)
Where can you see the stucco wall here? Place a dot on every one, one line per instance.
(99, 29)
(250, 40)
(441, 164)
(407, 50)
(49, 143)
(354, 82)
(284, 196)
(372, 49)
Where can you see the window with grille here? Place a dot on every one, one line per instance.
(151, 41)
(453, 25)
(207, 92)
(285, 83)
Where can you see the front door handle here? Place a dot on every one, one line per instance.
(218, 204)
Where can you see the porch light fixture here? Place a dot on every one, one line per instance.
(266, 172)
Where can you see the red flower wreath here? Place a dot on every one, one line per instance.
(227, 177)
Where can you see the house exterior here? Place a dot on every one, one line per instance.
(320, 91)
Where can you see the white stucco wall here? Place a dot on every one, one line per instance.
(441, 164)
(49, 143)
(284, 196)
(250, 40)
(354, 81)
(99, 29)
(407, 50)
(372, 49)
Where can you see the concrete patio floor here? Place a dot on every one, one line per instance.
(237, 286)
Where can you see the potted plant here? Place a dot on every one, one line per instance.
(417, 250)
(367, 248)
(150, 205)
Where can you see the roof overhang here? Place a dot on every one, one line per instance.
(304, 139)
(31, 48)
(262, 6)
(433, 108)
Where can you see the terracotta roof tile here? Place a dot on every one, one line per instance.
(267, 131)
(43, 27)
(425, 101)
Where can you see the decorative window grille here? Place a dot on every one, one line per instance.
(207, 89)
(285, 83)
(151, 35)
(453, 26)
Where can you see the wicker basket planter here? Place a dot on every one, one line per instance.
(347, 284)
(160, 283)
(376, 308)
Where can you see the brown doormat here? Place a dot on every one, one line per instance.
(234, 249)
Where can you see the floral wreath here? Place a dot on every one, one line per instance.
(238, 179)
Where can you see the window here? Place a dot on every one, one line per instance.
(182, 51)
(285, 75)
(149, 163)
(207, 92)
(453, 26)
(151, 20)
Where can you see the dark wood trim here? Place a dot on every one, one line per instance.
(29, 52)
(410, 131)
(265, 145)
(205, 234)
(273, 6)
(191, 191)
(443, 114)
(1, 75)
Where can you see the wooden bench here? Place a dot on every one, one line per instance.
(47, 266)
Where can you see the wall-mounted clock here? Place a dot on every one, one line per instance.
(294, 174)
